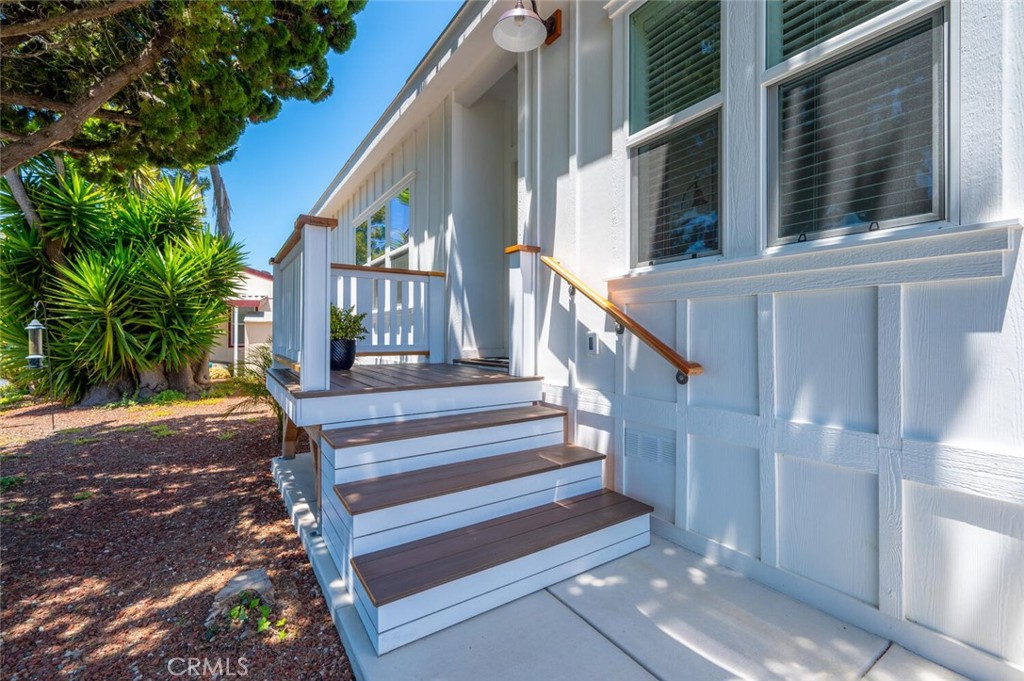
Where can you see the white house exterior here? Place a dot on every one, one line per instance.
(856, 438)
(250, 319)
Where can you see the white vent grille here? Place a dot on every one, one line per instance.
(650, 469)
(650, 447)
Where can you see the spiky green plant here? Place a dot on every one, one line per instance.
(141, 285)
(250, 382)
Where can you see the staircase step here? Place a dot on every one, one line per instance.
(402, 571)
(340, 438)
(375, 494)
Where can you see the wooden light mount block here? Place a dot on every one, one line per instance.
(554, 25)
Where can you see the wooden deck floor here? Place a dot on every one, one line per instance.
(391, 377)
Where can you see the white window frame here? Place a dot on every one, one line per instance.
(663, 128)
(862, 35)
(384, 201)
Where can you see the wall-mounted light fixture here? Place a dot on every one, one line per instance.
(521, 30)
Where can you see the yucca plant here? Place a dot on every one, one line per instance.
(141, 283)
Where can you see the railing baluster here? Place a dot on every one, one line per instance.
(393, 329)
(397, 303)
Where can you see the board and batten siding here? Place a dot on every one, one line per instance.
(421, 160)
(857, 438)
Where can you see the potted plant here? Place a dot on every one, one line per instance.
(346, 329)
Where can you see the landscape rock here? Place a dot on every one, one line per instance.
(105, 393)
(253, 581)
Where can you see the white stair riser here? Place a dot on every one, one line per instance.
(415, 417)
(310, 411)
(402, 456)
(427, 602)
(339, 545)
(387, 450)
(425, 509)
(470, 605)
(485, 504)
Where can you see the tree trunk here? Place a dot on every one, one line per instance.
(190, 379)
(183, 380)
(54, 249)
(70, 124)
(221, 204)
(201, 371)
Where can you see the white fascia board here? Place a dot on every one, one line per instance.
(462, 45)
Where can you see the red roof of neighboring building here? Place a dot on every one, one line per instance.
(259, 273)
(245, 302)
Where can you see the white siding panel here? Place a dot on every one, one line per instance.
(965, 567)
(826, 358)
(648, 374)
(724, 497)
(723, 338)
(964, 364)
(828, 526)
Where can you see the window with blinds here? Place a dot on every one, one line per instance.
(795, 25)
(674, 50)
(860, 140)
(677, 194)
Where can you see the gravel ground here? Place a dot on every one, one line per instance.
(126, 525)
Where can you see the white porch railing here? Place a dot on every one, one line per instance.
(288, 303)
(403, 308)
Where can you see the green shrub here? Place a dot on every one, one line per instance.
(250, 382)
(138, 283)
(167, 397)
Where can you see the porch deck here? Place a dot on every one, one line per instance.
(373, 378)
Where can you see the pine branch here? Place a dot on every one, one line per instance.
(37, 102)
(70, 124)
(56, 21)
(67, 148)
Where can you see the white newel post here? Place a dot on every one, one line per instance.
(522, 272)
(275, 320)
(314, 353)
(437, 320)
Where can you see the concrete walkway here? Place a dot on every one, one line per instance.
(660, 613)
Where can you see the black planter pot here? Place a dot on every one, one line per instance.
(343, 354)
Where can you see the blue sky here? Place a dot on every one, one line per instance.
(281, 167)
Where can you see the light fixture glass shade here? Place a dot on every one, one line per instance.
(520, 30)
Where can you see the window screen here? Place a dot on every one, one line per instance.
(795, 25)
(674, 58)
(861, 139)
(677, 193)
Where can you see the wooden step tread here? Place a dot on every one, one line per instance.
(363, 496)
(436, 425)
(402, 571)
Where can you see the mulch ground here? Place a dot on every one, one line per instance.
(126, 525)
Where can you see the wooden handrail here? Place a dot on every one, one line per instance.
(385, 270)
(684, 367)
(296, 235)
(521, 248)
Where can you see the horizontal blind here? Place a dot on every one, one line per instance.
(678, 193)
(861, 139)
(795, 25)
(674, 58)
